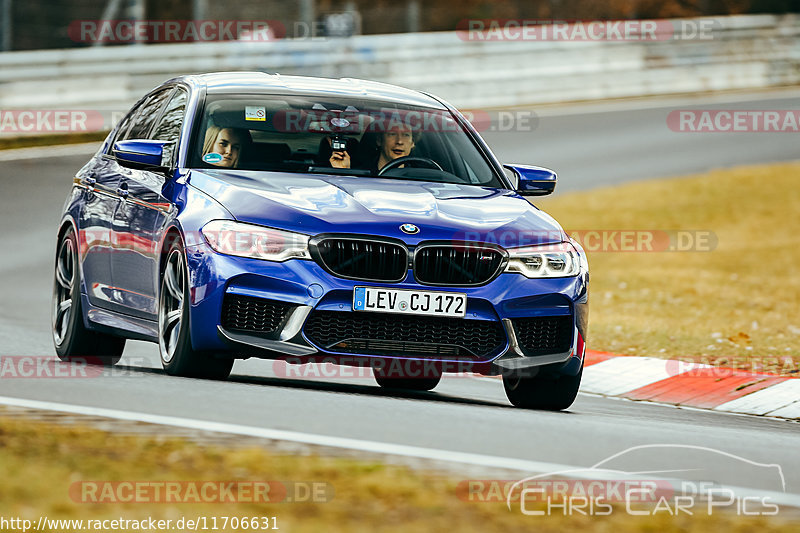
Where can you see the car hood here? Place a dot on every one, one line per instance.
(314, 204)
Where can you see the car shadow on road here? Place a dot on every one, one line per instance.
(361, 389)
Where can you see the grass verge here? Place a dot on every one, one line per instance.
(28, 141)
(41, 461)
(735, 305)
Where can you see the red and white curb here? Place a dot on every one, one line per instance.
(691, 385)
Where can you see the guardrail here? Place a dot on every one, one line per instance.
(743, 52)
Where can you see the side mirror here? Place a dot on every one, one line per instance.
(140, 152)
(533, 181)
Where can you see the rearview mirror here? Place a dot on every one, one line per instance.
(140, 152)
(533, 181)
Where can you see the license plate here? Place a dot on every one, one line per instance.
(409, 302)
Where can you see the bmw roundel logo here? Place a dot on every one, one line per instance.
(411, 229)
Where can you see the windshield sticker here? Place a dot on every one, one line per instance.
(212, 157)
(254, 112)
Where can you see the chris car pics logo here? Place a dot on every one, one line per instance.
(647, 480)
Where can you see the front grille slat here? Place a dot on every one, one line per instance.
(381, 257)
(456, 265)
(544, 335)
(247, 313)
(404, 335)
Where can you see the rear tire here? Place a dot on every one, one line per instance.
(178, 357)
(73, 341)
(542, 392)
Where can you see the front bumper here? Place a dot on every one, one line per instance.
(309, 288)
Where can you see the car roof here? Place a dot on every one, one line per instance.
(265, 83)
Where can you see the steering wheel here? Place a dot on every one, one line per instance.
(424, 161)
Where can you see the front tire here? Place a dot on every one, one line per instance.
(73, 341)
(542, 392)
(178, 357)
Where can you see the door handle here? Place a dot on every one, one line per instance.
(90, 181)
(122, 190)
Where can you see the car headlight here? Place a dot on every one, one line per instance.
(248, 240)
(545, 261)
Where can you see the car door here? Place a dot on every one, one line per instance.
(142, 210)
(100, 179)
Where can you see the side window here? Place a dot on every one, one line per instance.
(122, 129)
(169, 127)
(148, 113)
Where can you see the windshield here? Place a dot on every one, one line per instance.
(359, 137)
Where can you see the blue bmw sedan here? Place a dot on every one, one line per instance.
(236, 215)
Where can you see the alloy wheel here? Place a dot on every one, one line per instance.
(62, 291)
(170, 308)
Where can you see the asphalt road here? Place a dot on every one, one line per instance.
(594, 145)
(462, 414)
